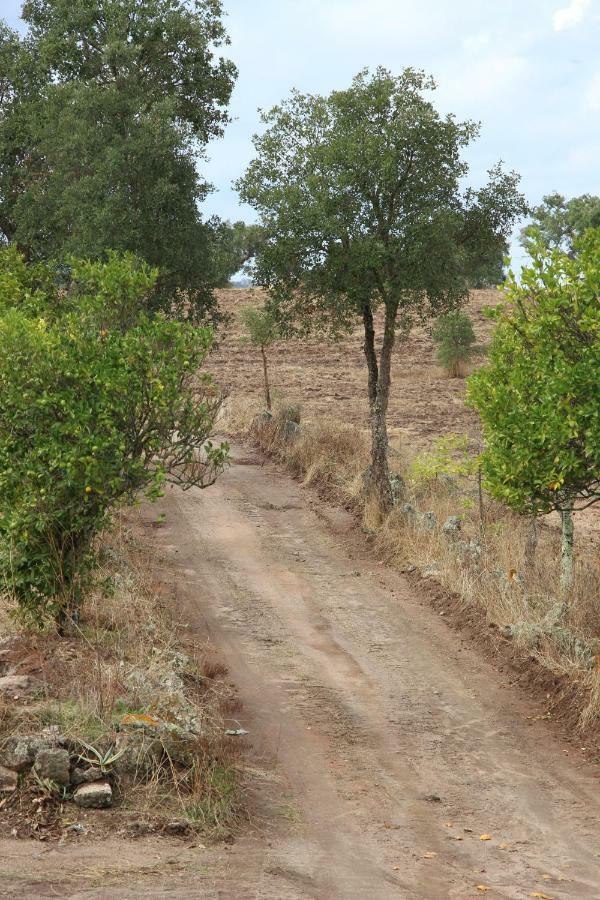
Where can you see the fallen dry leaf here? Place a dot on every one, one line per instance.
(485, 837)
(482, 888)
(541, 896)
(429, 855)
(503, 847)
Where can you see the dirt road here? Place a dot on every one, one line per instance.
(384, 728)
(383, 746)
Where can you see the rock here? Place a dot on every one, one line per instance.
(181, 662)
(97, 795)
(430, 571)
(139, 827)
(289, 431)
(51, 736)
(20, 750)
(86, 776)
(452, 526)
(469, 550)
(180, 746)
(17, 684)
(53, 764)
(261, 420)
(8, 781)
(178, 826)
(427, 521)
(409, 511)
(141, 753)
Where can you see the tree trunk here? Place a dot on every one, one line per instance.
(378, 494)
(266, 376)
(566, 557)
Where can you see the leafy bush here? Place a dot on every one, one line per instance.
(454, 335)
(538, 398)
(98, 403)
(449, 458)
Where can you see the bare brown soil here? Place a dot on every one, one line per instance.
(329, 379)
(384, 748)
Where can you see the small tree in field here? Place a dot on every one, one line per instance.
(454, 335)
(359, 196)
(261, 331)
(98, 404)
(538, 398)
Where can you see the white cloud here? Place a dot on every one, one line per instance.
(571, 15)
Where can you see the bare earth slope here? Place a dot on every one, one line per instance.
(383, 748)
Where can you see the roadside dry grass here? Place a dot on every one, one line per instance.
(486, 564)
(126, 657)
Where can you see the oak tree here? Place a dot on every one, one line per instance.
(106, 108)
(361, 198)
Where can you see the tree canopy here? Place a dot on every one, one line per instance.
(558, 222)
(105, 110)
(360, 197)
(98, 402)
(235, 245)
(538, 397)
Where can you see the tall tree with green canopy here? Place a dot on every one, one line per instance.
(360, 197)
(235, 245)
(538, 398)
(105, 109)
(558, 222)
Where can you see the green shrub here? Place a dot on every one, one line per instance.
(454, 335)
(450, 457)
(98, 403)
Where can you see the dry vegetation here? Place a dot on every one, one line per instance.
(484, 565)
(127, 663)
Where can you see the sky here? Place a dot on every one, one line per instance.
(528, 70)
